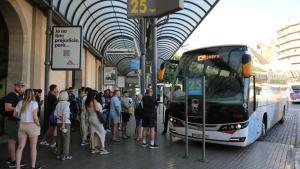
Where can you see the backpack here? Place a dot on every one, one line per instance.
(138, 112)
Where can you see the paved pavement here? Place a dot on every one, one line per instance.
(276, 151)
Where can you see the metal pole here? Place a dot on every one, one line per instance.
(186, 119)
(203, 122)
(48, 47)
(154, 56)
(102, 75)
(47, 62)
(143, 55)
(73, 78)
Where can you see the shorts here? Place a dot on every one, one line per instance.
(138, 122)
(149, 121)
(125, 117)
(115, 118)
(12, 128)
(29, 129)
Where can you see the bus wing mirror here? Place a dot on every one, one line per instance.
(247, 67)
(162, 70)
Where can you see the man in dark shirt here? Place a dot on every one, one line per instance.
(149, 118)
(51, 102)
(12, 123)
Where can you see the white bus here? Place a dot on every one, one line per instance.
(243, 101)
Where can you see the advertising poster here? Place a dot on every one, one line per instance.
(110, 76)
(66, 48)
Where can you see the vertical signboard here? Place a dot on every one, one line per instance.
(195, 94)
(67, 47)
(110, 76)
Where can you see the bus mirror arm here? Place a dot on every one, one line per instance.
(254, 94)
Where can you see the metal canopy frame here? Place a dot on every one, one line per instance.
(106, 26)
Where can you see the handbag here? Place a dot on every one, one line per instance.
(100, 117)
(53, 118)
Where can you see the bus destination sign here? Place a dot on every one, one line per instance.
(201, 58)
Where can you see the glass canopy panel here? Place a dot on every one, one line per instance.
(106, 25)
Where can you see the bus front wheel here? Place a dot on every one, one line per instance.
(283, 116)
(263, 130)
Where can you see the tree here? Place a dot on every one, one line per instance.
(170, 70)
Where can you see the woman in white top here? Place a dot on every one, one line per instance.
(62, 112)
(27, 110)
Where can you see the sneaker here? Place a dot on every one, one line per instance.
(125, 137)
(95, 151)
(108, 130)
(84, 143)
(64, 130)
(58, 157)
(104, 152)
(66, 158)
(144, 144)
(45, 143)
(11, 164)
(37, 167)
(53, 145)
(153, 146)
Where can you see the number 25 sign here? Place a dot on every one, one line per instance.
(152, 8)
(195, 86)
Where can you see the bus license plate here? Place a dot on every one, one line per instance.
(199, 135)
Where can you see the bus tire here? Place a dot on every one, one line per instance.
(263, 127)
(281, 121)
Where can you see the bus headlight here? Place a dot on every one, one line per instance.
(233, 126)
(238, 126)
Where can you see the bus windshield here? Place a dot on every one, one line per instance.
(222, 67)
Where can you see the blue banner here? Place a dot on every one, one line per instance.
(134, 64)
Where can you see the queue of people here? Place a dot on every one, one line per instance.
(97, 114)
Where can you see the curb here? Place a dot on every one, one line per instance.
(297, 158)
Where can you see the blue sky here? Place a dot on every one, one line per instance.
(243, 21)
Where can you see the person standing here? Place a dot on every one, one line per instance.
(49, 111)
(126, 103)
(107, 100)
(27, 111)
(12, 123)
(138, 114)
(84, 124)
(149, 118)
(62, 112)
(167, 112)
(115, 112)
(97, 130)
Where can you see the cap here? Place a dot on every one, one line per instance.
(19, 83)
